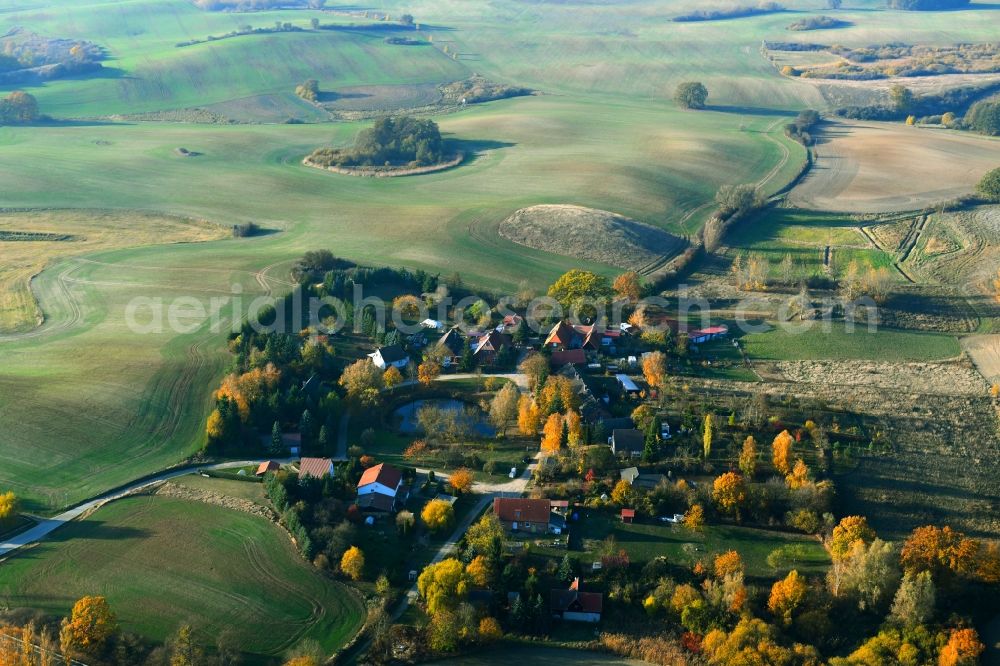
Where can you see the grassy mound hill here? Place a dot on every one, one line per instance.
(594, 235)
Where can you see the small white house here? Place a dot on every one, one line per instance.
(432, 324)
(382, 479)
(393, 355)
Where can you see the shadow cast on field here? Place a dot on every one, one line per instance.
(91, 529)
(749, 110)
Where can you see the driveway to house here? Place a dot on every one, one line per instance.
(46, 527)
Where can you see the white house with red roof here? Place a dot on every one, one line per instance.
(383, 480)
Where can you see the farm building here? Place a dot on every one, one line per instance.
(703, 335)
(523, 515)
(267, 466)
(626, 442)
(575, 605)
(316, 468)
(628, 386)
(393, 355)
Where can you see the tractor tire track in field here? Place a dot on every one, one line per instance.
(260, 565)
(50, 326)
(785, 154)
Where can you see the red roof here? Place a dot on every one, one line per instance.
(572, 356)
(382, 473)
(511, 510)
(268, 466)
(628, 513)
(711, 330)
(561, 334)
(315, 467)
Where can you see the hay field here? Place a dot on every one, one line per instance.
(162, 562)
(869, 167)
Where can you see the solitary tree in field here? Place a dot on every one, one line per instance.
(89, 627)
(707, 434)
(902, 98)
(691, 95)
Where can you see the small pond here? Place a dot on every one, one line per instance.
(469, 417)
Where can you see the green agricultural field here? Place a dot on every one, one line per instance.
(835, 342)
(805, 236)
(163, 562)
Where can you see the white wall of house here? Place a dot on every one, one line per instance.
(376, 487)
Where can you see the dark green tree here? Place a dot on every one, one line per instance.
(691, 95)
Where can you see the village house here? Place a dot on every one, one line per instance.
(575, 605)
(627, 442)
(629, 387)
(559, 358)
(380, 487)
(454, 344)
(565, 337)
(523, 515)
(315, 468)
(488, 348)
(637, 479)
(393, 355)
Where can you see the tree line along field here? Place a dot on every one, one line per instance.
(162, 562)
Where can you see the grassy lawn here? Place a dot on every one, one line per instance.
(837, 343)
(647, 540)
(805, 235)
(162, 562)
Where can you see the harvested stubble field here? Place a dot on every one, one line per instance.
(163, 561)
(868, 167)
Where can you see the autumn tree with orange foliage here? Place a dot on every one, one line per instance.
(392, 377)
(940, 550)
(694, 519)
(479, 571)
(552, 434)
(848, 532)
(786, 596)
(728, 563)
(729, 491)
(628, 286)
(781, 452)
(529, 417)
(90, 626)
(963, 649)
(461, 481)
(799, 476)
(249, 389)
(654, 368)
(428, 371)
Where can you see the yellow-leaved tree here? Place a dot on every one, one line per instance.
(353, 563)
(529, 417)
(786, 596)
(9, 506)
(552, 433)
(443, 585)
(438, 515)
(781, 452)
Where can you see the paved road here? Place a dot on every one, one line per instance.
(46, 527)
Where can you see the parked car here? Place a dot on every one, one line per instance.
(513, 473)
(676, 518)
